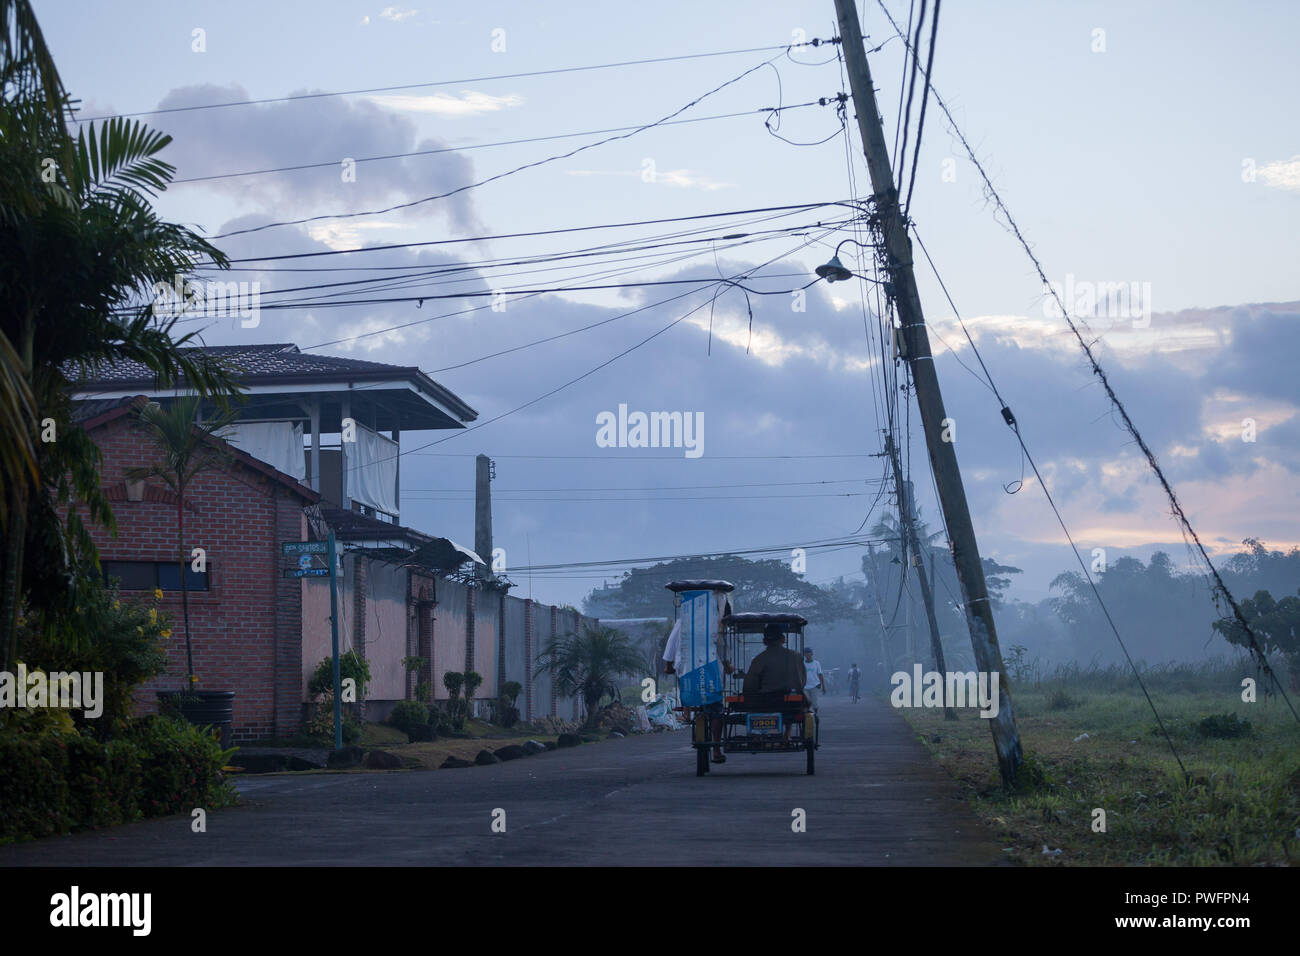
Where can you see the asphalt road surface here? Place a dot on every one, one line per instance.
(876, 799)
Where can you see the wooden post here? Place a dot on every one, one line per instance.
(929, 399)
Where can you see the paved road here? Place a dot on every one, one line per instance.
(877, 799)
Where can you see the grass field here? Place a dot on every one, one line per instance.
(1238, 805)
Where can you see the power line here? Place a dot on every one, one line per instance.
(925, 96)
(857, 207)
(760, 484)
(816, 545)
(471, 79)
(440, 454)
(1218, 586)
(497, 176)
(334, 163)
(727, 498)
(594, 370)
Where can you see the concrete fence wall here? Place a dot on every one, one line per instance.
(465, 628)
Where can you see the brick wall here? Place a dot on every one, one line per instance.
(246, 629)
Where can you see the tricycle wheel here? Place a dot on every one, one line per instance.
(701, 761)
(812, 751)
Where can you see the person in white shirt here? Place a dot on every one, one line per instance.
(816, 683)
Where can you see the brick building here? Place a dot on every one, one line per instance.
(294, 474)
(245, 618)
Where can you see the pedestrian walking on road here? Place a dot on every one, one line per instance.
(855, 682)
(815, 685)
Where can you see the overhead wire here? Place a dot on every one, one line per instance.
(1074, 323)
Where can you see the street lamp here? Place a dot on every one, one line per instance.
(834, 270)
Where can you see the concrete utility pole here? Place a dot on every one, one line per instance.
(929, 400)
(912, 542)
(483, 514)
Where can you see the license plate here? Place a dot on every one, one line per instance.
(763, 723)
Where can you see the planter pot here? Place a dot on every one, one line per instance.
(202, 708)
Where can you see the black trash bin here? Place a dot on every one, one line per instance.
(202, 708)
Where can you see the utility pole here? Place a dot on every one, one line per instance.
(912, 542)
(880, 612)
(483, 514)
(929, 400)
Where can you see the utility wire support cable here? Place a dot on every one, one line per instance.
(784, 48)
(509, 172)
(1219, 586)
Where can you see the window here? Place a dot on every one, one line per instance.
(147, 575)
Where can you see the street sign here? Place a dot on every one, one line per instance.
(304, 547)
(307, 573)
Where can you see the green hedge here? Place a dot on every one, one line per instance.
(54, 781)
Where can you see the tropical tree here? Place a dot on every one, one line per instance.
(586, 664)
(81, 248)
(1276, 625)
(187, 449)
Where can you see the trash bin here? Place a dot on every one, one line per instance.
(202, 708)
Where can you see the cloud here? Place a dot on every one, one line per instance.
(327, 131)
(469, 103)
(680, 178)
(1282, 174)
(396, 15)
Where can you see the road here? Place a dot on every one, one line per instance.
(876, 799)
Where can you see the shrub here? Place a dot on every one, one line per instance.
(321, 724)
(1224, 726)
(180, 766)
(54, 781)
(126, 644)
(408, 715)
(351, 664)
(1059, 699)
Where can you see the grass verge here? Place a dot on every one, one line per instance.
(1240, 805)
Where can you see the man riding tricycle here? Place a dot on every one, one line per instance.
(741, 686)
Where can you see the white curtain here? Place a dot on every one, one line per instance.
(279, 444)
(372, 471)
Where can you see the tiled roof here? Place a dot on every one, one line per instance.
(252, 361)
(283, 365)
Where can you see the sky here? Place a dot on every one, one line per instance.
(1152, 145)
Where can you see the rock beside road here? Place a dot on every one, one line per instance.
(453, 762)
(486, 757)
(261, 763)
(510, 752)
(568, 740)
(534, 747)
(383, 760)
(345, 758)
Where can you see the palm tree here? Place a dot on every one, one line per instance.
(188, 449)
(585, 665)
(80, 249)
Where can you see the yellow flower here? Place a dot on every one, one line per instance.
(166, 633)
(153, 615)
(117, 605)
(157, 594)
(194, 678)
(139, 630)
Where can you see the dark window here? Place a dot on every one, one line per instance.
(147, 575)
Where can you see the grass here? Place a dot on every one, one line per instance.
(1240, 804)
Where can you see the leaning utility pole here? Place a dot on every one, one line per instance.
(929, 400)
(912, 542)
